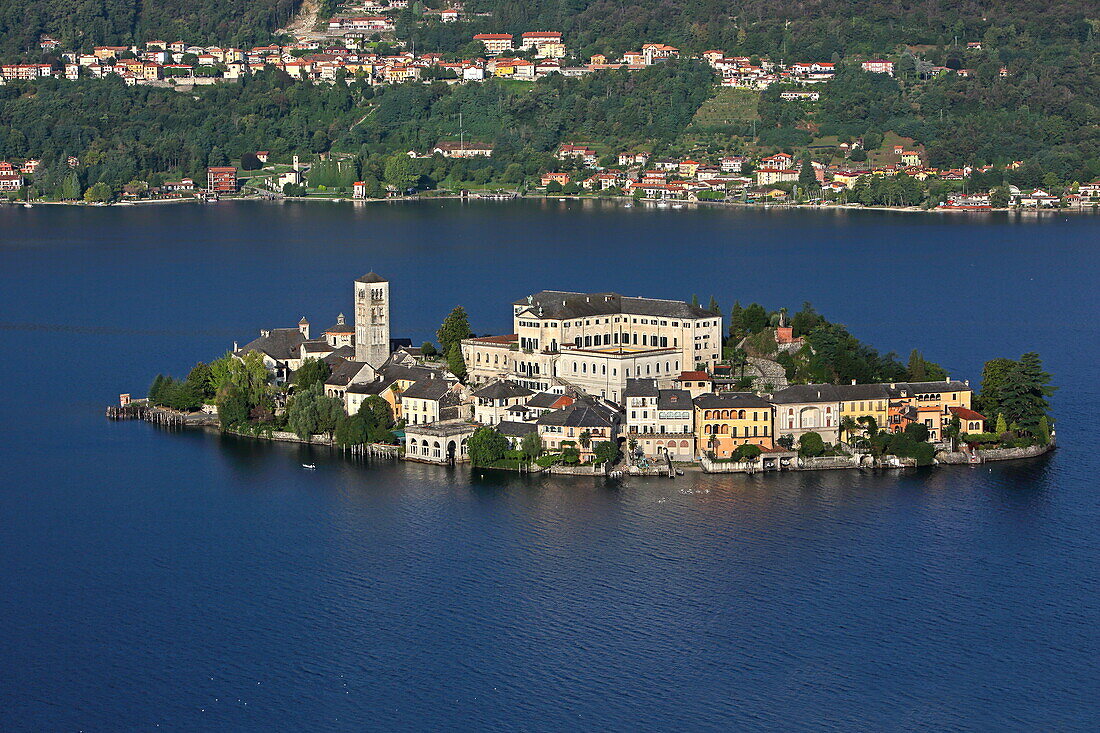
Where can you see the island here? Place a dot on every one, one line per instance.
(607, 384)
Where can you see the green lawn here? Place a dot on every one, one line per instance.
(728, 106)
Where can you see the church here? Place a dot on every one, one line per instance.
(363, 358)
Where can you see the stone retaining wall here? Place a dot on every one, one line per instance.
(994, 454)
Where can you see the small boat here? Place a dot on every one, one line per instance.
(662, 204)
(677, 206)
(309, 466)
(628, 206)
(679, 472)
(563, 199)
(28, 206)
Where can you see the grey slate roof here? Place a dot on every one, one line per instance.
(280, 344)
(674, 399)
(317, 346)
(798, 393)
(849, 392)
(341, 354)
(580, 415)
(927, 387)
(427, 389)
(372, 277)
(641, 388)
(730, 399)
(502, 390)
(511, 429)
(556, 304)
(543, 400)
(343, 372)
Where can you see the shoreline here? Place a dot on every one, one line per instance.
(1092, 210)
(173, 420)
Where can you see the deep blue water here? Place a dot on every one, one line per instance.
(191, 582)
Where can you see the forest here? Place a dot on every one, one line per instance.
(1043, 111)
(86, 23)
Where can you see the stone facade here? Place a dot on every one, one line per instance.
(372, 319)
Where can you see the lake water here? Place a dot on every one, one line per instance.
(188, 581)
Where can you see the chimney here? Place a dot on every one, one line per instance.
(893, 385)
(853, 381)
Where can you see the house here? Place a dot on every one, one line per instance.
(359, 190)
(654, 52)
(1089, 191)
(695, 382)
(687, 168)
(911, 158)
(467, 149)
(542, 402)
(733, 163)
(221, 179)
(804, 408)
(182, 185)
(280, 350)
(433, 399)
(770, 176)
(879, 66)
(660, 421)
(492, 402)
(779, 161)
(495, 43)
(584, 418)
(969, 420)
(547, 44)
(730, 419)
(559, 178)
(926, 402)
(11, 181)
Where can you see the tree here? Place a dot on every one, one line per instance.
(916, 367)
(376, 411)
(251, 162)
(570, 454)
(553, 187)
(313, 371)
(747, 452)
(1002, 424)
(427, 350)
(917, 431)
(1025, 392)
(999, 197)
(311, 412)
(953, 430)
(399, 172)
(737, 322)
(455, 327)
(848, 426)
(531, 445)
(755, 318)
(486, 446)
(251, 375)
(713, 306)
(810, 445)
(605, 451)
(807, 176)
(585, 439)
(232, 407)
(200, 379)
(98, 193)
(456, 363)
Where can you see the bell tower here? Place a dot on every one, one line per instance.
(372, 319)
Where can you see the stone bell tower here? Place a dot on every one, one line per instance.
(372, 319)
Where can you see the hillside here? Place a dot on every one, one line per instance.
(90, 22)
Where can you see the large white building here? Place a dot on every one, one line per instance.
(595, 342)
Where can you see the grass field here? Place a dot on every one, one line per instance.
(729, 106)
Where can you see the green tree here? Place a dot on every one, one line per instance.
(737, 322)
(399, 172)
(232, 407)
(200, 379)
(98, 193)
(251, 375)
(456, 363)
(585, 439)
(810, 445)
(486, 446)
(1002, 424)
(755, 318)
(1025, 391)
(999, 197)
(806, 176)
(455, 327)
(531, 445)
(605, 451)
(747, 452)
(917, 431)
(427, 350)
(713, 306)
(311, 412)
(377, 412)
(313, 371)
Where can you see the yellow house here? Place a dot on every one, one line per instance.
(864, 400)
(726, 420)
(911, 157)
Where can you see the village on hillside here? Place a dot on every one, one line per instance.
(359, 43)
